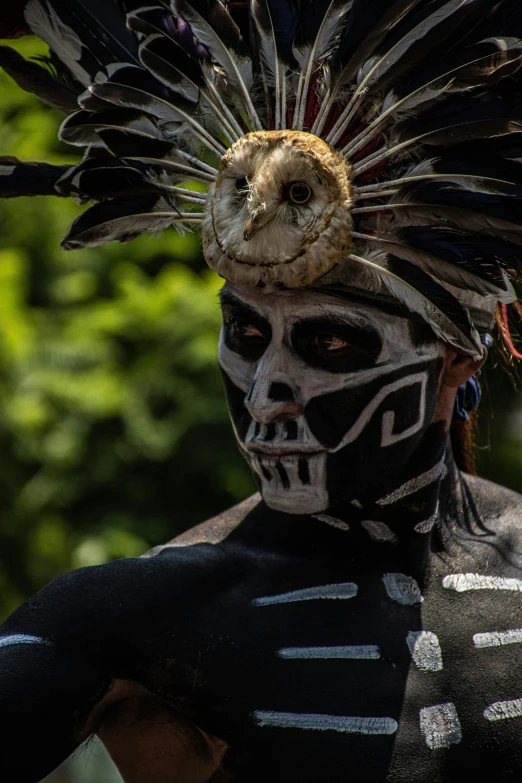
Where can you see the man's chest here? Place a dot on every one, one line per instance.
(331, 670)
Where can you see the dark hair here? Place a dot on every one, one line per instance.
(506, 335)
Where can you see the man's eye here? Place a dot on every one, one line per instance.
(244, 329)
(330, 343)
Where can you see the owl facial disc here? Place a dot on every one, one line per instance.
(279, 212)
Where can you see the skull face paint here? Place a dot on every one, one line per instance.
(329, 398)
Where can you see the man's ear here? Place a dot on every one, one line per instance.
(458, 369)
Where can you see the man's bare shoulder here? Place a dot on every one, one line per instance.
(214, 530)
(494, 502)
(492, 528)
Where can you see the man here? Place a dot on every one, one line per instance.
(375, 639)
(361, 619)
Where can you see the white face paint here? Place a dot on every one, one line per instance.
(321, 390)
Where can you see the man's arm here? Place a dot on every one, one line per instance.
(62, 656)
(43, 692)
(149, 743)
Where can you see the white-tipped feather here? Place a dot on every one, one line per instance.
(186, 171)
(443, 326)
(184, 86)
(168, 183)
(273, 69)
(425, 172)
(131, 97)
(238, 70)
(209, 76)
(373, 71)
(395, 109)
(312, 56)
(47, 25)
(439, 269)
(125, 228)
(411, 213)
(467, 131)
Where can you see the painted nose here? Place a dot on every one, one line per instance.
(272, 402)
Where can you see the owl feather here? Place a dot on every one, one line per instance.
(410, 179)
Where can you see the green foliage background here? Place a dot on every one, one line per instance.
(114, 434)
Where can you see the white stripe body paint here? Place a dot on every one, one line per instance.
(428, 524)
(343, 590)
(440, 725)
(368, 651)
(402, 589)
(414, 484)
(20, 638)
(332, 521)
(498, 638)
(313, 722)
(389, 437)
(501, 710)
(464, 582)
(425, 650)
(378, 531)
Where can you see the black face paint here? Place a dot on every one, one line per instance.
(328, 402)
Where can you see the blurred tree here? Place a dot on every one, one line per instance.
(114, 435)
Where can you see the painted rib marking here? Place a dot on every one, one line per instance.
(402, 589)
(414, 484)
(332, 521)
(361, 651)
(21, 638)
(464, 582)
(312, 722)
(497, 638)
(440, 725)
(501, 710)
(425, 650)
(344, 590)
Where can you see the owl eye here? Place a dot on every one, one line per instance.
(299, 193)
(241, 184)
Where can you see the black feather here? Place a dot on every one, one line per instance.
(111, 221)
(439, 296)
(368, 25)
(478, 254)
(101, 27)
(32, 77)
(82, 126)
(118, 181)
(216, 16)
(28, 179)
(100, 178)
(455, 197)
(152, 20)
(164, 58)
(125, 144)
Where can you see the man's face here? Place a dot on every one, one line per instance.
(329, 398)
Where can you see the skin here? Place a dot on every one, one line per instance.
(144, 739)
(310, 383)
(172, 660)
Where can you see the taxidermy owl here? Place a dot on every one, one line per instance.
(368, 146)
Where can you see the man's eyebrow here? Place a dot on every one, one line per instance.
(360, 329)
(229, 300)
(348, 319)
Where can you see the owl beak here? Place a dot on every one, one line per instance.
(255, 224)
(250, 229)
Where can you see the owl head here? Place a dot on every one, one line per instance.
(279, 212)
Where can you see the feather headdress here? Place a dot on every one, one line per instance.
(410, 112)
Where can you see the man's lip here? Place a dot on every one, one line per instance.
(282, 450)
